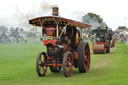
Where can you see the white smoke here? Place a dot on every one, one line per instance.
(19, 18)
(93, 21)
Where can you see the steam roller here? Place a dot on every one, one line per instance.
(102, 41)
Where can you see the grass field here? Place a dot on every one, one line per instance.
(17, 67)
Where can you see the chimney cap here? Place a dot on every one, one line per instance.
(55, 11)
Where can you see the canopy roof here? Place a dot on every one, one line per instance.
(39, 21)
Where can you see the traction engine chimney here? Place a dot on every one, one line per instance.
(55, 11)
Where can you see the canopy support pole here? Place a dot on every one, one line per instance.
(81, 33)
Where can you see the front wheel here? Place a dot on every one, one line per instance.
(68, 64)
(41, 64)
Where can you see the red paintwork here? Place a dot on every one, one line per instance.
(99, 43)
(50, 28)
(49, 42)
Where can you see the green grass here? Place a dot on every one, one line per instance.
(17, 67)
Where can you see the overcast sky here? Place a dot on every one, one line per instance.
(16, 12)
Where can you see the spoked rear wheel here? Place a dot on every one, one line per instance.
(84, 57)
(41, 64)
(87, 58)
(68, 64)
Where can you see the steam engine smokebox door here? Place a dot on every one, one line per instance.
(54, 50)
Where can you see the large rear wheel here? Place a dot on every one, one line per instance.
(41, 64)
(84, 57)
(68, 64)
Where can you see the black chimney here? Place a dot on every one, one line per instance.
(55, 11)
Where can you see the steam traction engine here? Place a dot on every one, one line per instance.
(65, 46)
(102, 42)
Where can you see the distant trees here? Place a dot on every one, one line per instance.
(16, 34)
(121, 28)
(3, 29)
(10, 35)
(21, 30)
(92, 17)
(94, 20)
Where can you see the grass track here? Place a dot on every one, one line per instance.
(17, 67)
